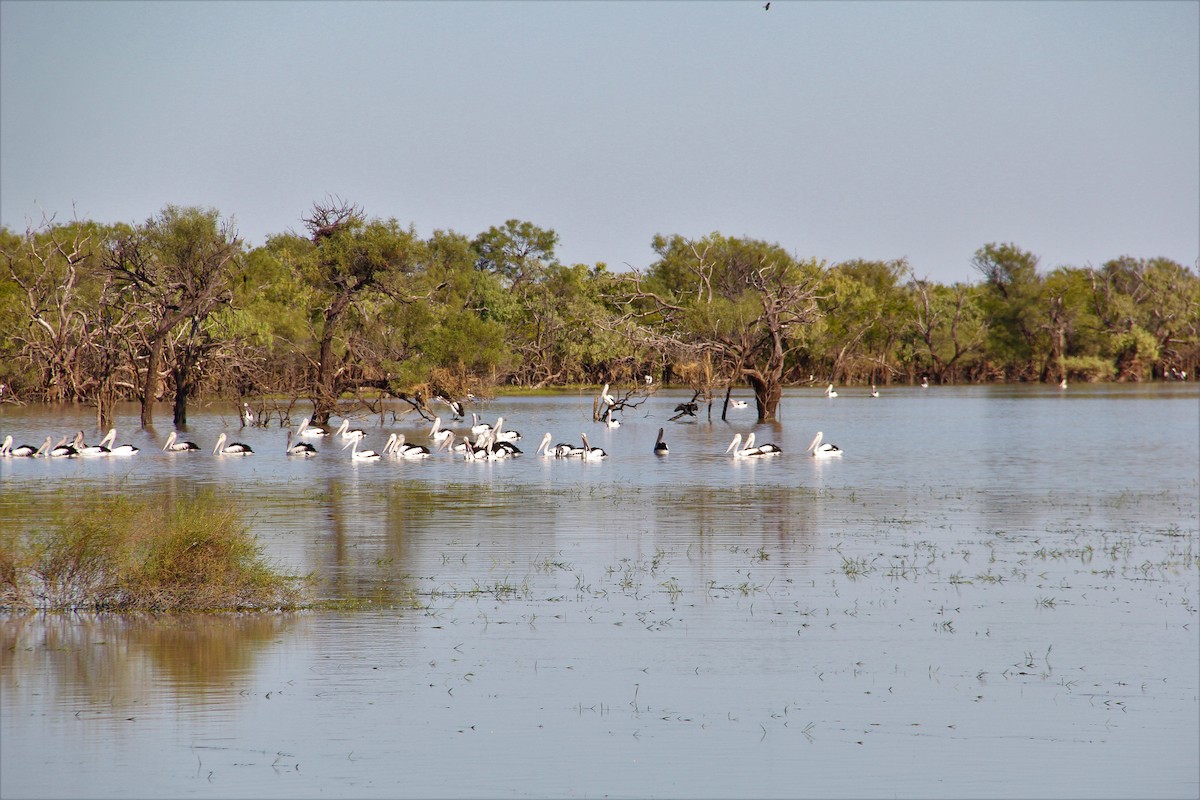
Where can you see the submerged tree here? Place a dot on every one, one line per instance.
(742, 301)
(176, 266)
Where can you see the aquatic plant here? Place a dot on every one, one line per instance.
(115, 553)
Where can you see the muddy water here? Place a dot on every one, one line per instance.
(992, 593)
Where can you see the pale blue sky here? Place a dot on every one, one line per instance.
(838, 130)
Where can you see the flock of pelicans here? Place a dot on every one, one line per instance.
(482, 442)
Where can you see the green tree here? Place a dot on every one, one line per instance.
(1013, 306)
(741, 302)
(177, 266)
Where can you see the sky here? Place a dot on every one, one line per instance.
(837, 130)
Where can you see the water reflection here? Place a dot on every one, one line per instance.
(117, 661)
(944, 601)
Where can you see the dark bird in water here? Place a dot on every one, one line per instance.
(767, 7)
(688, 409)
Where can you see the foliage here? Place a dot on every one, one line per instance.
(103, 553)
(362, 307)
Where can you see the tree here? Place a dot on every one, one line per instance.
(948, 323)
(176, 265)
(518, 252)
(1013, 304)
(740, 301)
(352, 259)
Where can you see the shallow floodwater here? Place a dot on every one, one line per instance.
(993, 593)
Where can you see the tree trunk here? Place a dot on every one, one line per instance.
(182, 387)
(150, 384)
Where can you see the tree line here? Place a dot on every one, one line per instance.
(356, 309)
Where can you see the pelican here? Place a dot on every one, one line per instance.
(501, 435)
(560, 450)
(873, 392)
(478, 428)
(20, 451)
(591, 453)
(117, 449)
(606, 397)
(611, 422)
(738, 403)
(232, 449)
(64, 449)
(825, 450)
(454, 444)
(90, 450)
(24, 450)
(403, 450)
(437, 432)
(751, 450)
(1063, 385)
(173, 446)
(505, 449)
(303, 449)
(660, 447)
(247, 414)
(311, 431)
(355, 455)
(456, 408)
(924, 381)
(829, 392)
(345, 432)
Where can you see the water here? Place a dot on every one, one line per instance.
(993, 593)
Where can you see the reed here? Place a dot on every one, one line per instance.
(115, 553)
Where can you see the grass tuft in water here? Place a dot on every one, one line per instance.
(105, 553)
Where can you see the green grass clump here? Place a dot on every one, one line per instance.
(123, 554)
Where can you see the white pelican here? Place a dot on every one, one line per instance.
(606, 397)
(311, 431)
(501, 435)
(399, 448)
(751, 450)
(20, 451)
(247, 414)
(924, 382)
(1063, 385)
(660, 447)
(346, 433)
(117, 449)
(25, 450)
(829, 392)
(826, 450)
(303, 449)
(173, 446)
(437, 432)
(90, 450)
(355, 455)
(64, 449)
(454, 444)
(612, 422)
(873, 392)
(232, 449)
(738, 403)
(591, 453)
(478, 428)
(560, 450)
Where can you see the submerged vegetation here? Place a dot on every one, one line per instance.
(105, 553)
(178, 308)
